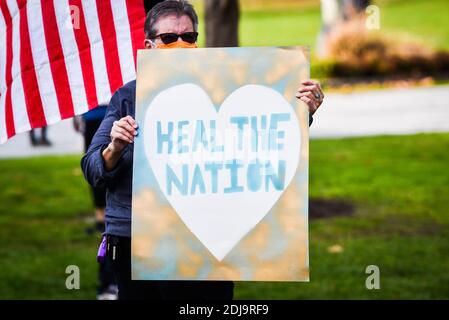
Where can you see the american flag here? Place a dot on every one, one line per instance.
(60, 58)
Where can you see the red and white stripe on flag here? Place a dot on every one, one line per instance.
(61, 58)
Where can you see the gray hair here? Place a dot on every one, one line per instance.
(165, 8)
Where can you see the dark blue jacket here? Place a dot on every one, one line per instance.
(118, 182)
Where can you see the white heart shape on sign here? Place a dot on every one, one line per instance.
(222, 171)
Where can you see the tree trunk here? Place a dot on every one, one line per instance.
(222, 20)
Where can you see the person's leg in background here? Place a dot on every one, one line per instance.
(33, 137)
(44, 140)
(99, 196)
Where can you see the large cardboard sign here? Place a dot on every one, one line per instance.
(220, 175)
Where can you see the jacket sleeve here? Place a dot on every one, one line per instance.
(92, 163)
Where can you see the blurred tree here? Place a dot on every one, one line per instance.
(222, 19)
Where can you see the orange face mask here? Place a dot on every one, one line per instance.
(177, 44)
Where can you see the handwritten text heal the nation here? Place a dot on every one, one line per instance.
(249, 163)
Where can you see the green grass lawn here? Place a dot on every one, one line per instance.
(398, 185)
(421, 20)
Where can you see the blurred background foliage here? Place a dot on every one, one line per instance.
(412, 41)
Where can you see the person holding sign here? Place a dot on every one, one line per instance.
(109, 160)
